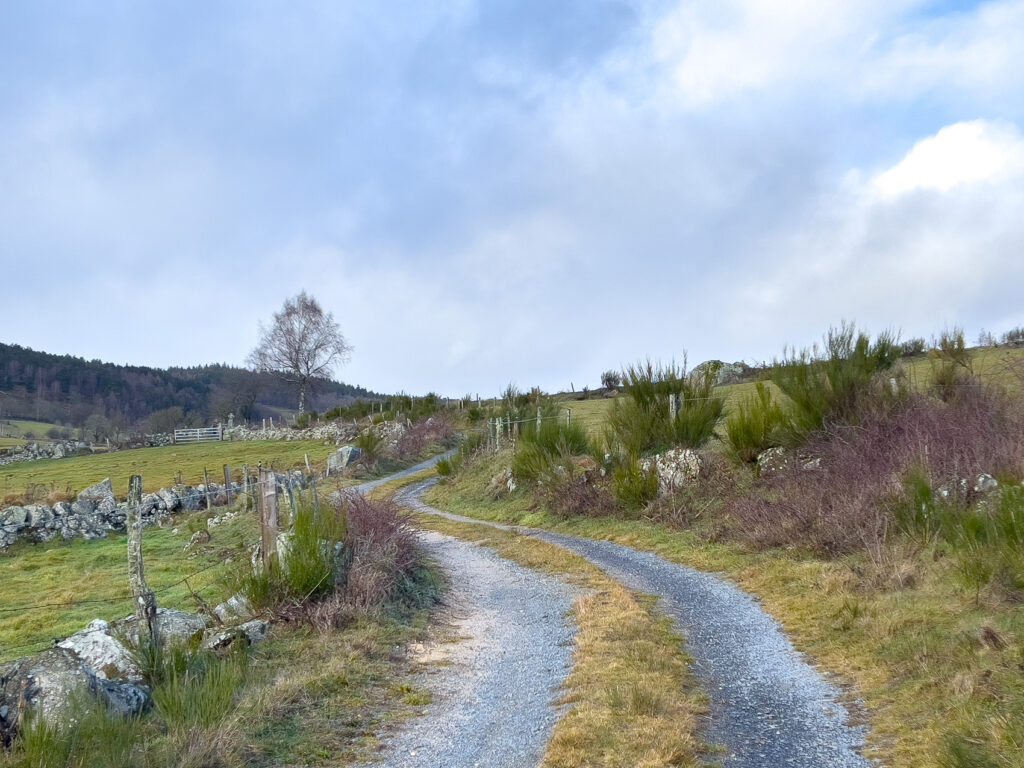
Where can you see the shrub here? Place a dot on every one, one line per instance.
(611, 379)
(835, 384)
(308, 565)
(882, 473)
(913, 347)
(642, 422)
(539, 451)
(634, 487)
(952, 366)
(436, 430)
(754, 426)
(371, 443)
(380, 551)
(576, 494)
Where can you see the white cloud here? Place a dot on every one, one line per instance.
(721, 51)
(964, 153)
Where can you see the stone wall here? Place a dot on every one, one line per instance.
(95, 511)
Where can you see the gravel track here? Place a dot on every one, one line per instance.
(768, 706)
(495, 705)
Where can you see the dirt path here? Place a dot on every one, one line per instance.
(496, 687)
(768, 706)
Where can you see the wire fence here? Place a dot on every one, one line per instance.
(255, 487)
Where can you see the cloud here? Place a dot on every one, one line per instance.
(964, 153)
(928, 242)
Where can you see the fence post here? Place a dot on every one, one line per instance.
(568, 417)
(308, 470)
(268, 517)
(206, 486)
(245, 485)
(316, 497)
(673, 406)
(227, 483)
(538, 422)
(142, 596)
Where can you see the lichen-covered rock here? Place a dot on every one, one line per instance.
(773, 460)
(235, 608)
(675, 468)
(251, 632)
(101, 491)
(173, 625)
(50, 681)
(14, 516)
(103, 653)
(502, 483)
(170, 500)
(985, 483)
(342, 457)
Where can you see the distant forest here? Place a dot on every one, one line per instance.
(69, 390)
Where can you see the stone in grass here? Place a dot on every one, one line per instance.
(250, 633)
(235, 608)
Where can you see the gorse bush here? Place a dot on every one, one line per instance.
(539, 451)
(754, 426)
(371, 443)
(642, 422)
(307, 566)
(952, 365)
(634, 486)
(833, 384)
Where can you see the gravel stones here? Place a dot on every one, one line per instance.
(493, 703)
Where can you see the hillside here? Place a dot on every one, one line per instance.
(68, 390)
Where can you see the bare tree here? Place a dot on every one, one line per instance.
(303, 343)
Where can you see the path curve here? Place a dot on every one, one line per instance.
(768, 706)
(495, 705)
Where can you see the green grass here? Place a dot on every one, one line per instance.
(10, 442)
(940, 671)
(19, 427)
(158, 466)
(80, 570)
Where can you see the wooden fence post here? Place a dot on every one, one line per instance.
(206, 485)
(268, 517)
(568, 416)
(308, 470)
(227, 483)
(291, 496)
(142, 596)
(673, 406)
(538, 422)
(245, 485)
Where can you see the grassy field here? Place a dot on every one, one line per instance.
(158, 466)
(21, 427)
(927, 657)
(37, 580)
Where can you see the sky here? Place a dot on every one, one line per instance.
(507, 191)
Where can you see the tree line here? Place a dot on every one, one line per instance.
(69, 390)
